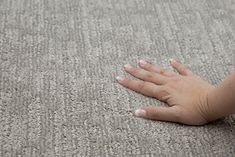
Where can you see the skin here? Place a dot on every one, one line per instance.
(191, 100)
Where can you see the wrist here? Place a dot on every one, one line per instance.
(218, 103)
(212, 103)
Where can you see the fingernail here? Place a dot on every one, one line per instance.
(127, 66)
(142, 62)
(172, 61)
(140, 113)
(119, 78)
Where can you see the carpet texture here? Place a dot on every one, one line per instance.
(59, 60)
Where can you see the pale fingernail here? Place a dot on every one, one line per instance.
(172, 61)
(119, 78)
(142, 62)
(140, 113)
(127, 66)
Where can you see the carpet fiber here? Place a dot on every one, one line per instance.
(59, 60)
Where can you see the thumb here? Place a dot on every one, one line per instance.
(170, 114)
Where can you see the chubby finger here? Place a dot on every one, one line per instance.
(183, 70)
(143, 87)
(153, 68)
(170, 114)
(146, 75)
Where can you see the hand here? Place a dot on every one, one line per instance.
(185, 93)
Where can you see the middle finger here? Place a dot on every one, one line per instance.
(146, 75)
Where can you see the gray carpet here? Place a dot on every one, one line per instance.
(59, 60)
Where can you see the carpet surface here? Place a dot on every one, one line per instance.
(59, 60)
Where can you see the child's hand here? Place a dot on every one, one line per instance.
(186, 94)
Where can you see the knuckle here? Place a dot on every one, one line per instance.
(149, 75)
(162, 71)
(174, 79)
(141, 86)
(160, 94)
(149, 66)
(169, 85)
(156, 93)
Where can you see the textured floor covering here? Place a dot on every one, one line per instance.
(59, 60)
